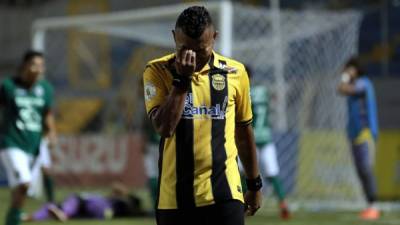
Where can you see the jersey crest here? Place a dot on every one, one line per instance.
(218, 82)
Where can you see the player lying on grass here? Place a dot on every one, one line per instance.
(88, 205)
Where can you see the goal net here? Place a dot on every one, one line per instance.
(96, 63)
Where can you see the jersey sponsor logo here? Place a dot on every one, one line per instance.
(149, 91)
(228, 69)
(216, 112)
(218, 82)
(20, 91)
(29, 102)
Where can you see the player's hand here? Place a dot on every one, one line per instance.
(252, 201)
(185, 63)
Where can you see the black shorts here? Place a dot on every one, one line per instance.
(226, 213)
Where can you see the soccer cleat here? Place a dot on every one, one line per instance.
(284, 211)
(370, 214)
(57, 213)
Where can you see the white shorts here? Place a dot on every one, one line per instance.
(18, 166)
(42, 161)
(44, 158)
(151, 160)
(268, 161)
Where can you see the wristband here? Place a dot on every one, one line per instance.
(254, 184)
(182, 82)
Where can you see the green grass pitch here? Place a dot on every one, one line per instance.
(265, 216)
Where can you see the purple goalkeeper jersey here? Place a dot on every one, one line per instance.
(79, 206)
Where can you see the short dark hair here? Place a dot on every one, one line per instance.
(193, 21)
(30, 54)
(355, 62)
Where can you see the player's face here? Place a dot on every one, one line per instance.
(33, 69)
(203, 46)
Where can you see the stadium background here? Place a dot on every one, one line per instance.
(98, 111)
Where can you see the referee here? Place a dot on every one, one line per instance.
(199, 102)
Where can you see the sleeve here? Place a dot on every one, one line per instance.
(360, 86)
(244, 115)
(155, 90)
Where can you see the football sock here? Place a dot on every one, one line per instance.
(13, 217)
(277, 187)
(49, 188)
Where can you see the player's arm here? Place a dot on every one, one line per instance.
(354, 88)
(49, 121)
(246, 145)
(347, 89)
(247, 150)
(50, 128)
(166, 117)
(243, 131)
(248, 157)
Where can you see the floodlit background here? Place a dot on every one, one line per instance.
(96, 51)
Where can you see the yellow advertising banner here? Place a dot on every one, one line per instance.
(388, 164)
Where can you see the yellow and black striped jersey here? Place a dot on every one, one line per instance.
(197, 163)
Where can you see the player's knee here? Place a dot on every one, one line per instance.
(365, 172)
(46, 171)
(23, 188)
(19, 193)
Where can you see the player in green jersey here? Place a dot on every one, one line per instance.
(266, 148)
(26, 101)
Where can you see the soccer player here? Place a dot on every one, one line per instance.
(265, 145)
(26, 101)
(120, 203)
(362, 129)
(199, 102)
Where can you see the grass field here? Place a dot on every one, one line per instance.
(265, 216)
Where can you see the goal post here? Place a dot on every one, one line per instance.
(296, 54)
(100, 23)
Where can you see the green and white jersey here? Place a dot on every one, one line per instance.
(23, 112)
(260, 107)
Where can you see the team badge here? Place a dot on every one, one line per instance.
(149, 91)
(218, 82)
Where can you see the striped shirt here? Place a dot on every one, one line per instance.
(197, 163)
